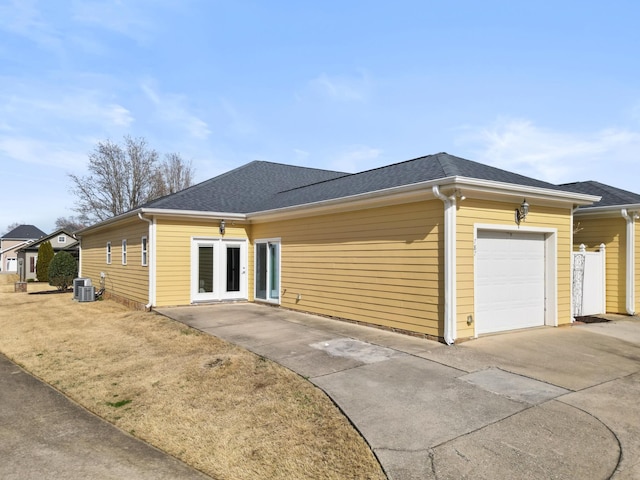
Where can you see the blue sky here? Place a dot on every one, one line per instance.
(549, 89)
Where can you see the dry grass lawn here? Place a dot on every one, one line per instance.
(221, 409)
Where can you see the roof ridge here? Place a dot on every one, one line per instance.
(353, 174)
(296, 166)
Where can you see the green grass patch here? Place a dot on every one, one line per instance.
(118, 404)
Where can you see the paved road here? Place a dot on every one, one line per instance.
(557, 403)
(43, 435)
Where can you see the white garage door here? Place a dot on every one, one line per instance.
(509, 280)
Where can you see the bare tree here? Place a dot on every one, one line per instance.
(71, 224)
(173, 174)
(11, 227)
(121, 178)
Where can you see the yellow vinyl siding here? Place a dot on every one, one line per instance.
(612, 232)
(129, 281)
(471, 212)
(173, 256)
(380, 266)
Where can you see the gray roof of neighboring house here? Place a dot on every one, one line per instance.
(24, 232)
(73, 242)
(611, 196)
(260, 186)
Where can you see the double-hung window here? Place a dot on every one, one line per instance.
(144, 251)
(124, 252)
(108, 253)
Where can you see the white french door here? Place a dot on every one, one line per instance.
(218, 270)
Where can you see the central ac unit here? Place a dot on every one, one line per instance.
(87, 294)
(77, 283)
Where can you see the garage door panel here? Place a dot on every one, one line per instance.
(510, 281)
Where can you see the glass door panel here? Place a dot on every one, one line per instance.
(274, 272)
(204, 266)
(233, 268)
(261, 271)
(205, 269)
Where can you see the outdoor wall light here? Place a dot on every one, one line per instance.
(522, 212)
(221, 227)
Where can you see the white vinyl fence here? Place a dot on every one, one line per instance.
(589, 290)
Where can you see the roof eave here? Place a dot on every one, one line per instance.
(193, 214)
(611, 209)
(164, 213)
(472, 186)
(534, 193)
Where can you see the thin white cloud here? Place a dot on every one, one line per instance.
(239, 124)
(355, 88)
(521, 146)
(41, 152)
(123, 17)
(173, 109)
(33, 106)
(301, 154)
(355, 158)
(23, 17)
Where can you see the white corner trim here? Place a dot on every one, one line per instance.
(450, 310)
(630, 263)
(151, 258)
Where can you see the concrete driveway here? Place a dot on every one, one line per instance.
(538, 404)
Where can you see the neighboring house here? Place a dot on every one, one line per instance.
(12, 241)
(431, 246)
(613, 222)
(60, 240)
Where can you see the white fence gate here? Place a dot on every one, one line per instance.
(589, 290)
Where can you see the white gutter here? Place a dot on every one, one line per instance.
(449, 265)
(166, 212)
(151, 259)
(630, 217)
(469, 184)
(583, 211)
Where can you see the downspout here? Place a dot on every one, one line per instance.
(79, 256)
(449, 265)
(151, 261)
(630, 217)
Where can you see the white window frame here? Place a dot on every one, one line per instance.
(124, 251)
(144, 251)
(62, 239)
(108, 253)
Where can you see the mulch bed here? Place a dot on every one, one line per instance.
(590, 319)
(47, 292)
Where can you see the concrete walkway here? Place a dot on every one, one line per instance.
(45, 435)
(537, 404)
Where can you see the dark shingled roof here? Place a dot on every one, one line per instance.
(244, 189)
(611, 196)
(423, 169)
(24, 232)
(260, 186)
